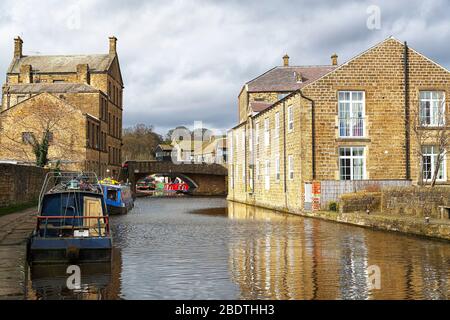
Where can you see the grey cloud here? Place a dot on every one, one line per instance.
(187, 60)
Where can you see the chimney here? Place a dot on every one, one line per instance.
(286, 60)
(83, 73)
(334, 59)
(298, 77)
(25, 74)
(112, 45)
(18, 47)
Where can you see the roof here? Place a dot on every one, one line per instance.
(34, 88)
(62, 63)
(287, 78)
(258, 106)
(165, 147)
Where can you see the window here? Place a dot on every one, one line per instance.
(243, 172)
(431, 155)
(266, 132)
(27, 137)
(236, 171)
(351, 113)
(230, 141)
(277, 125)
(257, 170)
(243, 139)
(256, 133)
(290, 119)
(250, 141)
(352, 163)
(291, 167)
(277, 168)
(267, 174)
(231, 177)
(432, 108)
(237, 142)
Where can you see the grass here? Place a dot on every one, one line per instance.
(17, 208)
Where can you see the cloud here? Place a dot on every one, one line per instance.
(187, 60)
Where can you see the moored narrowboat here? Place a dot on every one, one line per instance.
(72, 222)
(118, 198)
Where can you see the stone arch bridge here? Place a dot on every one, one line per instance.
(203, 179)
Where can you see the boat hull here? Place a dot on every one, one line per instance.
(70, 250)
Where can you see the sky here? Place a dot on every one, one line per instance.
(186, 61)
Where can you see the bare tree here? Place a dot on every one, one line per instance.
(36, 132)
(431, 134)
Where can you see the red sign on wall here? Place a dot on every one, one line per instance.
(316, 191)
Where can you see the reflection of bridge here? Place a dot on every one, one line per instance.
(203, 179)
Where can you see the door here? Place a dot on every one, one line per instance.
(93, 208)
(308, 197)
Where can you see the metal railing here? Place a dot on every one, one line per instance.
(98, 228)
(351, 127)
(63, 181)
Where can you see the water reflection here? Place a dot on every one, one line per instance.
(204, 248)
(278, 256)
(98, 281)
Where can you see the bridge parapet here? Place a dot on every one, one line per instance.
(209, 179)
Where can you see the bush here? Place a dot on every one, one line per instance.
(333, 206)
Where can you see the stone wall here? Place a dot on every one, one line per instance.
(360, 201)
(415, 201)
(20, 184)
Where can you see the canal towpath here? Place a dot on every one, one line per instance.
(14, 231)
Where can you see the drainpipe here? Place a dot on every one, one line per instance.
(407, 119)
(284, 153)
(313, 134)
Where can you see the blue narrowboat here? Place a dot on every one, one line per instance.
(72, 222)
(118, 198)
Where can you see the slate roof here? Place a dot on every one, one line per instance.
(286, 78)
(50, 88)
(258, 106)
(62, 63)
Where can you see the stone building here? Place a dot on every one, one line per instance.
(342, 129)
(90, 84)
(213, 150)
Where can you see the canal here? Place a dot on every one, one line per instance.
(206, 248)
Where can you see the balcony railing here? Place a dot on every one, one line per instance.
(351, 127)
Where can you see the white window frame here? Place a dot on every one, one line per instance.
(291, 167)
(230, 139)
(266, 132)
(256, 133)
(257, 170)
(351, 157)
(277, 168)
(290, 114)
(434, 120)
(352, 122)
(277, 125)
(267, 175)
(231, 177)
(433, 156)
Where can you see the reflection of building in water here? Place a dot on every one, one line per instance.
(276, 262)
(290, 257)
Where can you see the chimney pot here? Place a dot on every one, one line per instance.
(334, 59)
(286, 60)
(112, 45)
(18, 45)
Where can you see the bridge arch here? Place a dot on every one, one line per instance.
(208, 179)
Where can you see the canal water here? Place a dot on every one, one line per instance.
(206, 248)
